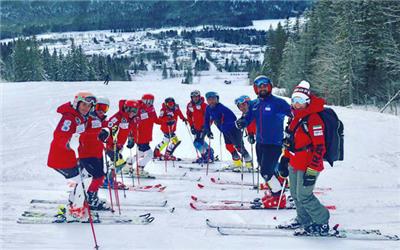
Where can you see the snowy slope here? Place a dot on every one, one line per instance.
(365, 186)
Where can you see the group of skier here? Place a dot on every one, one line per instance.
(262, 121)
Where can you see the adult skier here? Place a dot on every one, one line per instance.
(195, 111)
(225, 119)
(169, 114)
(62, 157)
(91, 151)
(269, 112)
(303, 161)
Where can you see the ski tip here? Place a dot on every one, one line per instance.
(221, 231)
(212, 179)
(193, 206)
(199, 185)
(193, 198)
(172, 210)
(331, 207)
(162, 189)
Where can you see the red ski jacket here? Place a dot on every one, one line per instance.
(61, 156)
(251, 129)
(313, 142)
(167, 114)
(195, 114)
(124, 125)
(146, 119)
(89, 145)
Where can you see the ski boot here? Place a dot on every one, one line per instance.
(96, 204)
(313, 230)
(272, 201)
(157, 154)
(292, 224)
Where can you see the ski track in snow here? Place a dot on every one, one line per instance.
(365, 186)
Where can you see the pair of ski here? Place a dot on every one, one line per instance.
(35, 217)
(201, 204)
(212, 170)
(147, 188)
(243, 229)
(183, 176)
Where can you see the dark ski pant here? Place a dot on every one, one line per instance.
(235, 137)
(267, 158)
(308, 208)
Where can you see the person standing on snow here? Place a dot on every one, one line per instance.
(168, 118)
(225, 119)
(304, 151)
(269, 112)
(195, 111)
(62, 157)
(91, 151)
(121, 125)
(243, 104)
(147, 117)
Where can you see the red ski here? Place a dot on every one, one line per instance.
(149, 188)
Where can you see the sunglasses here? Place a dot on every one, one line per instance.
(131, 109)
(298, 100)
(102, 107)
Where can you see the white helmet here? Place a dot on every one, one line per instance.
(83, 96)
(103, 100)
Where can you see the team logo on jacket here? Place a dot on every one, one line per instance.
(144, 115)
(267, 108)
(96, 124)
(317, 130)
(80, 128)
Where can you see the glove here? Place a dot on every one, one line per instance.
(251, 139)
(310, 176)
(283, 167)
(131, 143)
(240, 123)
(193, 130)
(170, 122)
(103, 135)
(210, 135)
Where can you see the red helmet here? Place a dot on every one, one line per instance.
(131, 106)
(148, 99)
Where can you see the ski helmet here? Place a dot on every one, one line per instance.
(131, 106)
(103, 104)
(212, 94)
(148, 99)
(83, 96)
(262, 80)
(195, 93)
(242, 99)
(170, 102)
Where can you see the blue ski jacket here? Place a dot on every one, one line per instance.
(269, 114)
(223, 117)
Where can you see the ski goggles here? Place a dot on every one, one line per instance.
(87, 99)
(262, 81)
(299, 100)
(148, 101)
(102, 107)
(242, 99)
(195, 93)
(131, 109)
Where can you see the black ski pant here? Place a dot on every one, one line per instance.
(235, 137)
(267, 158)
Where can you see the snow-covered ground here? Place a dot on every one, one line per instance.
(365, 186)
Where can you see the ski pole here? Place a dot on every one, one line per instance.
(137, 155)
(191, 138)
(114, 175)
(209, 155)
(220, 145)
(133, 175)
(109, 181)
(258, 178)
(241, 169)
(282, 191)
(86, 204)
(252, 163)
